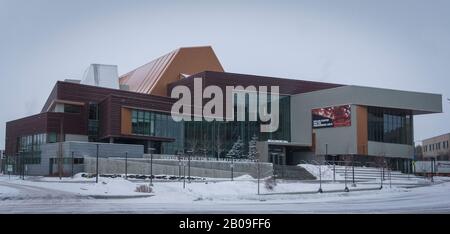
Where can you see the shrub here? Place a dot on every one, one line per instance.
(270, 183)
(143, 189)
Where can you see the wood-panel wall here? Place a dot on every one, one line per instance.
(362, 131)
(126, 121)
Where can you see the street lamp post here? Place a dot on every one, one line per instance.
(72, 163)
(22, 162)
(353, 171)
(179, 165)
(346, 188)
(232, 168)
(259, 173)
(432, 169)
(184, 175)
(390, 178)
(381, 177)
(17, 164)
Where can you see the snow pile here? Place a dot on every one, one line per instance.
(316, 170)
(244, 177)
(107, 186)
(88, 187)
(79, 177)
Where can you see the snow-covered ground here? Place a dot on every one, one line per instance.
(49, 195)
(78, 186)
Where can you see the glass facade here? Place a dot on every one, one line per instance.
(213, 138)
(93, 122)
(30, 147)
(216, 138)
(390, 125)
(148, 123)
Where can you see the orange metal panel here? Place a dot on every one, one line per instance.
(362, 132)
(125, 125)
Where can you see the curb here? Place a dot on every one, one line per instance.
(325, 191)
(118, 196)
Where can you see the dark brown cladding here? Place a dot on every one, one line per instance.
(85, 93)
(223, 79)
(110, 103)
(42, 123)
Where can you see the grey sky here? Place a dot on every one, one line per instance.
(403, 44)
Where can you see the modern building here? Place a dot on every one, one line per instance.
(436, 148)
(317, 120)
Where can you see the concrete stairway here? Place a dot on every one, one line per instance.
(371, 173)
(292, 172)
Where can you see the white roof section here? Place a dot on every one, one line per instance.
(419, 103)
(101, 75)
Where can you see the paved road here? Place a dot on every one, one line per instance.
(432, 199)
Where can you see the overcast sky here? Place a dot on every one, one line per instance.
(402, 44)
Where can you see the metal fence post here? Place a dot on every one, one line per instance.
(381, 177)
(96, 167)
(72, 163)
(126, 165)
(320, 179)
(346, 188)
(151, 165)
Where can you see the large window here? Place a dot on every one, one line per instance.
(157, 124)
(390, 125)
(93, 125)
(29, 147)
(216, 138)
(68, 108)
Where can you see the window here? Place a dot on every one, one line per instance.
(389, 125)
(52, 137)
(150, 123)
(72, 109)
(93, 111)
(78, 161)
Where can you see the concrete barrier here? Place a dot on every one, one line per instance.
(211, 169)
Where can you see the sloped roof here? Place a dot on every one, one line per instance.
(153, 77)
(286, 86)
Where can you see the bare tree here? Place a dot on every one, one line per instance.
(220, 144)
(192, 144)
